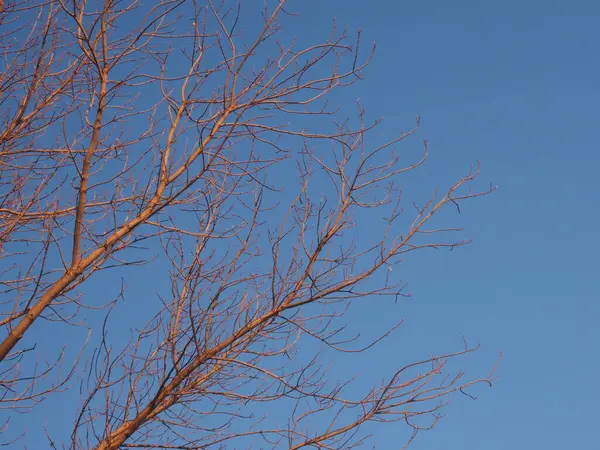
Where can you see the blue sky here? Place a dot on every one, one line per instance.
(515, 86)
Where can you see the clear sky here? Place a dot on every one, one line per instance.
(515, 85)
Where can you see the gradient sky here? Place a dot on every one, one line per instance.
(516, 86)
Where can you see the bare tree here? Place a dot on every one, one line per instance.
(182, 135)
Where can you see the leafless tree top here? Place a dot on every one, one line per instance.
(196, 139)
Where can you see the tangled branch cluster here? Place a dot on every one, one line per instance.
(178, 130)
